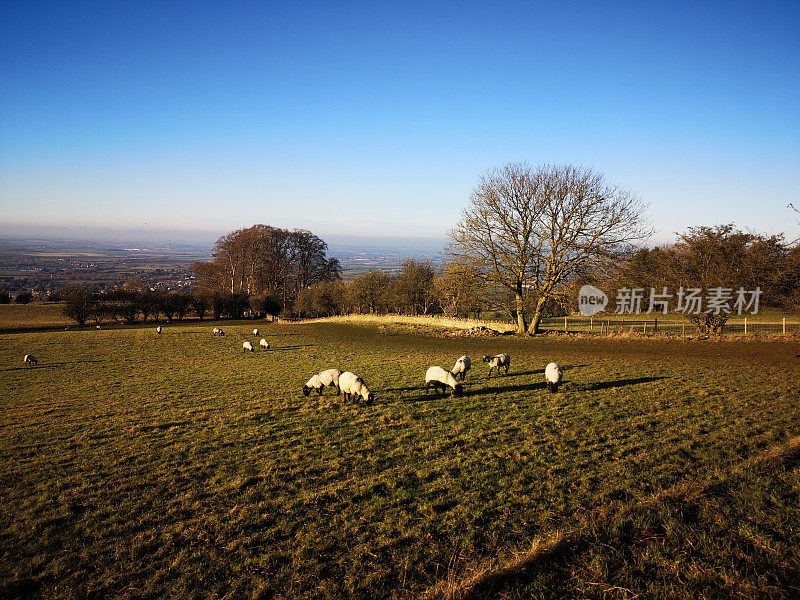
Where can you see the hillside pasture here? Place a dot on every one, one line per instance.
(14, 317)
(134, 465)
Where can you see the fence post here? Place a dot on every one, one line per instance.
(784, 325)
(684, 330)
(745, 325)
(565, 325)
(591, 323)
(644, 329)
(655, 325)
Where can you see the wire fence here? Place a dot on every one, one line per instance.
(683, 327)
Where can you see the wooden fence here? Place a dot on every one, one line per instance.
(678, 327)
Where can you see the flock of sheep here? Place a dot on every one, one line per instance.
(246, 346)
(351, 385)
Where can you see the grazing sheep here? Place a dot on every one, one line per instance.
(158, 330)
(352, 385)
(461, 367)
(328, 377)
(264, 344)
(217, 331)
(441, 378)
(30, 360)
(552, 375)
(255, 331)
(495, 362)
(247, 346)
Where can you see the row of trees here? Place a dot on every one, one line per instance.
(24, 297)
(528, 237)
(716, 257)
(531, 236)
(416, 290)
(130, 303)
(704, 257)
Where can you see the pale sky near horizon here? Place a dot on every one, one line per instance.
(377, 118)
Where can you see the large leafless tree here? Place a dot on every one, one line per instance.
(531, 230)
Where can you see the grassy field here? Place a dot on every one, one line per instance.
(33, 316)
(140, 466)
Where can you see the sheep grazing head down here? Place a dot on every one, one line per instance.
(458, 391)
(306, 390)
(486, 359)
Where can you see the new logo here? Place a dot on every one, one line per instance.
(591, 300)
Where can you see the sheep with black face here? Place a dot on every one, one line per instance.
(326, 378)
(352, 386)
(495, 362)
(461, 367)
(553, 373)
(441, 379)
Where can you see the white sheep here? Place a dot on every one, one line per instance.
(352, 385)
(264, 344)
(461, 367)
(217, 331)
(552, 375)
(247, 346)
(328, 377)
(255, 331)
(495, 362)
(158, 330)
(30, 360)
(442, 378)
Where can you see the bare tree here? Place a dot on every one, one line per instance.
(531, 230)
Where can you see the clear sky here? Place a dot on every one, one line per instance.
(376, 118)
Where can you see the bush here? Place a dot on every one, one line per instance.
(23, 298)
(79, 302)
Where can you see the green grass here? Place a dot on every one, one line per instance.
(136, 465)
(32, 316)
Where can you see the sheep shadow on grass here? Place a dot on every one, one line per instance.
(526, 387)
(50, 365)
(297, 347)
(428, 396)
(406, 389)
(605, 385)
(510, 374)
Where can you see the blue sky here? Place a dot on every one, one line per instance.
(376, 119)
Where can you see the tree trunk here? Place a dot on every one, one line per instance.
(537, 316)
(522, 325)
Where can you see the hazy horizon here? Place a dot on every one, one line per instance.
(190, 237)
(194, 237)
